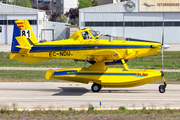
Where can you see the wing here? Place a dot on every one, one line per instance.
(106, 55)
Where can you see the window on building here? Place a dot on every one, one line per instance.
(62, 1)
(54, 9)
(11, 22)
(133, 24)
(54, 1)
(3, 22)
(46, 2)
(99, 23)
(138, 24)
(128, 23)
(32, 22)
(176, 23)
(118, 23)
(109, 24)
(158, 23)
(61, 9)
(168, 23)
(40, 1)
(89, 24)
(148, 23)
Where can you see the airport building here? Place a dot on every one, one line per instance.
(141, 19)
(43, 29)
(57, 6)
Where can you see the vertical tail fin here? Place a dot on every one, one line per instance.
(22, 28)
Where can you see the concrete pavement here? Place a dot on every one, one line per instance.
(36, 68)
(5, 48)
(79, 96)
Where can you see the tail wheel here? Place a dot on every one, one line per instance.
(162, 88)
(96, 87)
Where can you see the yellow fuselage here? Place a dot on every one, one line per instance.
(79, 50)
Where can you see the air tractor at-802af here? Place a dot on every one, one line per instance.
(88, 46)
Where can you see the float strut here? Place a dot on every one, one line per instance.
(86, 61)
(126, 68)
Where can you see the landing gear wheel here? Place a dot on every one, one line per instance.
(162, 88)
(96, 87)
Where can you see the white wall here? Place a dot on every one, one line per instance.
(3, 34)
(59, 29)
(17, 17)
(143, 16)
(103, 16)
(171, 33)
(69, 4)
(144, 33)
(114, 31)
(4, 31)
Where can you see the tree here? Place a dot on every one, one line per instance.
(94, 3)
(23, 3)
(73, 13)
(54, 16)
(61, 19)
(84, 3)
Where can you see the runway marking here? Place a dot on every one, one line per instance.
(94, 99)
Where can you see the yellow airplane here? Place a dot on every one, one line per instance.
(88, 46)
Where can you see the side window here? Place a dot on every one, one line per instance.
(86, 35)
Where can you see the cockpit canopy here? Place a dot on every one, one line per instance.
(84, 34)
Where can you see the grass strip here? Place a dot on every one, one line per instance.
(171, 61)
(39, 76)
(71, 114)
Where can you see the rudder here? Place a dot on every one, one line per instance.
(22, 28)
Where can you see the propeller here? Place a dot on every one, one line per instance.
(163, 47)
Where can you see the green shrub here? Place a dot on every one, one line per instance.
(74, 21)
(70, 109)
(122, 108)
(61, 19)
(91, 107)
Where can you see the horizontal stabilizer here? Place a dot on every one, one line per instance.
(24, 47)
(19, 57)
(23, 44)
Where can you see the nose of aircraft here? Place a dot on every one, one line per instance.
(165, 46)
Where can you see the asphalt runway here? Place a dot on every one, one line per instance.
(79, 96)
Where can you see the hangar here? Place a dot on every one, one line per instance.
(141, 19)
(43, 29)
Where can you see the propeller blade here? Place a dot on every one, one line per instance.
(162, 48)
(162, 56)
(163, 39)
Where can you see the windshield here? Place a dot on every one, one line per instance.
(93, 33)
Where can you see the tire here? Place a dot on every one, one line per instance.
(96, 87)
(162, 89)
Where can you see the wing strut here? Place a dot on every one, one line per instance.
(126, 68)
(86, 61)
